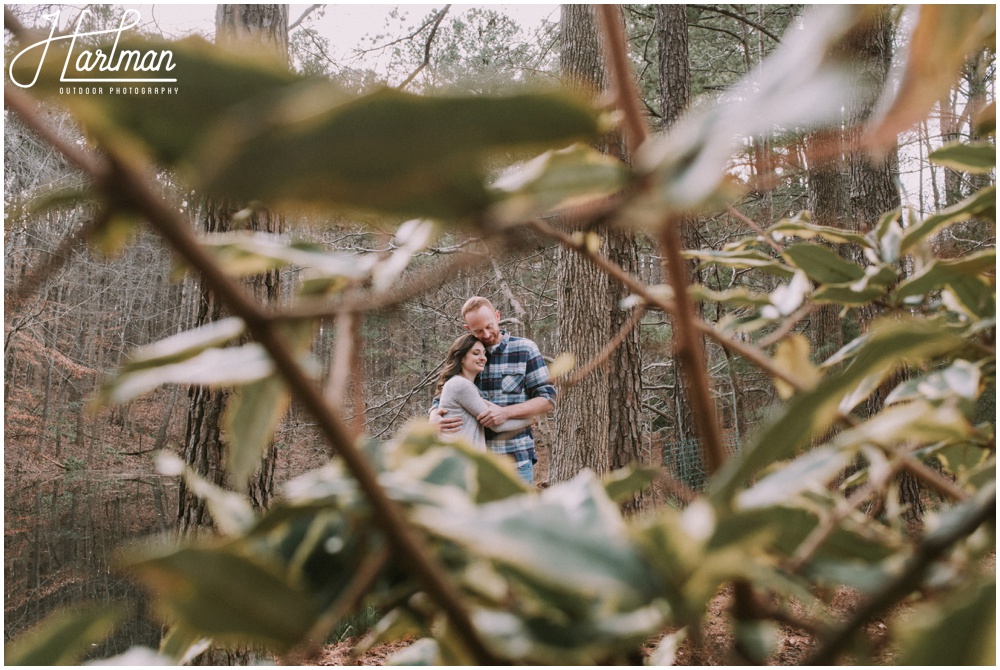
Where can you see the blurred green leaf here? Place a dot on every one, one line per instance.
(961, 459)
(977, 158)
(741, 259)
(982, 203)
(845, 294)
(967, 277)
(424, 652)
(569, 539)
(809, 472)
(665, 653)
(185, 345)
(807, 231)
(918, 422)
(792, 356)
(252, 415)
(117, 227)
(984, 122)
(241, 254)
(589, 641)
(623, 483)
(738, 296)
(227, 596)
(231, 511)
(888, 345)
(967, 623)
(211, 367)
(211, 84)
(822, 264)
(182, 645)
(564, 178)
(758, 639)
(65, 637)
(133, 658)
(312, 147)
(959, 380)
(801, 83)
(490, 478)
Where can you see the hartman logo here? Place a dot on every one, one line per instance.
(117, 66)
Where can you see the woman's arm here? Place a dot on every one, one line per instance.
(467, 395)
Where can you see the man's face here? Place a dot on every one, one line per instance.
(484, 323)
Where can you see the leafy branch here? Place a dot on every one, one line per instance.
(130, 184)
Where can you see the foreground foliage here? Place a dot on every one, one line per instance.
(446, 542)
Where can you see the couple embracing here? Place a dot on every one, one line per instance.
(491, 387)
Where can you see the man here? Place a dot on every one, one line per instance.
(515, 378)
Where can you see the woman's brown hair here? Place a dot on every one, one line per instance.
(453, 359)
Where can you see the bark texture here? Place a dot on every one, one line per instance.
(675, 96)
(204, 442)
(598, 421)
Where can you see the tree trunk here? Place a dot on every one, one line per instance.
(598, 420)
(204, 443)
(874, 190)
(829, 205)
(675, 96)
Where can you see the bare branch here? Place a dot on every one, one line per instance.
(427, 48)
(295, 24)
(742, 19)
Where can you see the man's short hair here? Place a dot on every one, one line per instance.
(474, 303)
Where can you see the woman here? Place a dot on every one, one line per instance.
(459, 395)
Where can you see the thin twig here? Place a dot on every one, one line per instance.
(651, 297)
(420, 282)
(25, 289)
(297, 22)
(688, 344)
(744, 19)
(757, 229)
(931, 478)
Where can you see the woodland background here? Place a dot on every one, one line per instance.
(77, 311)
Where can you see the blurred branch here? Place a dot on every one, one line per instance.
(136, 186)
(933, 547)
(687, 344)
(668, 306)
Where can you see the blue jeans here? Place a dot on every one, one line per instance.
(526, 470)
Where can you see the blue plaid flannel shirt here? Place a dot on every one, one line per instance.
(515, 372)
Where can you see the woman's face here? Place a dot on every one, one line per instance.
(474, 359)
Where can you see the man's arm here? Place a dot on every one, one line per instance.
(540, 390)
(496, 415)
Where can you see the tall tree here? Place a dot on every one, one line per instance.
(598, 420)
(675, 96)
(828, 203)
(237, 26)
(874, 185)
